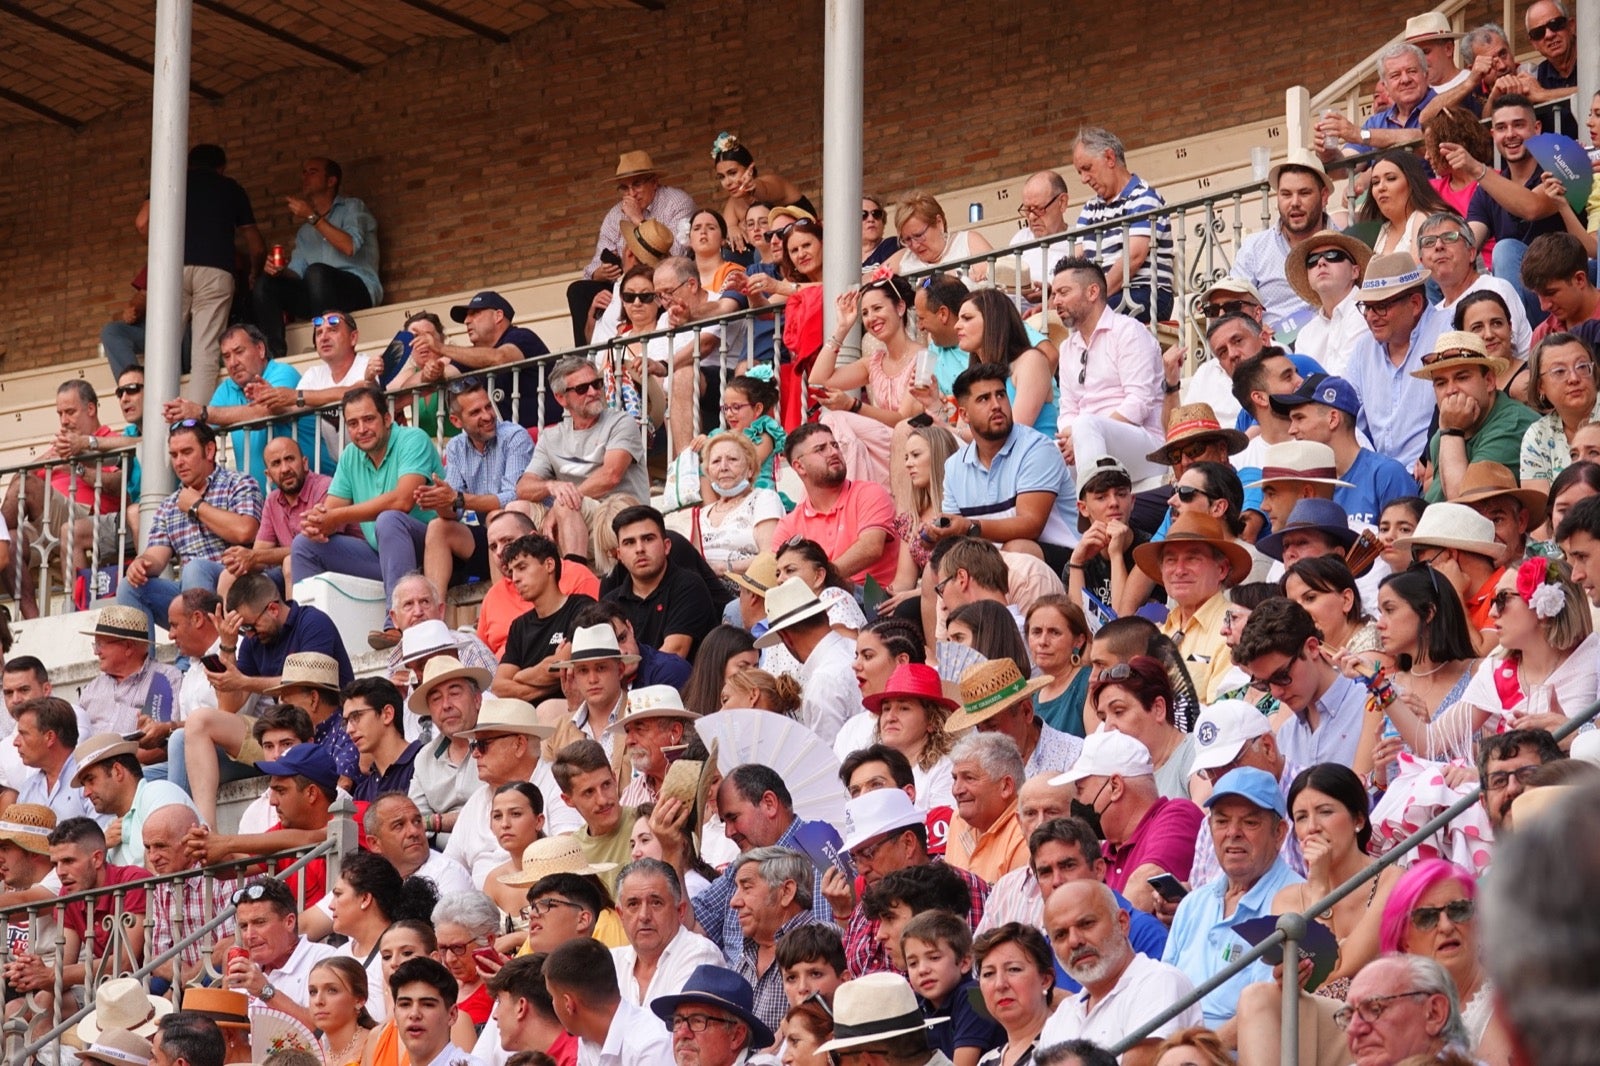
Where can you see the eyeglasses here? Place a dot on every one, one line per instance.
(1116, 672)
(1227, 307)
(672, 293)
(878, 213)
(638, 297)
(865, 852)
(727, 407)
(916, 238)
(1234, 616)
(1282, 679)
(780, 233)
(251, 893)
(1370, 1009)
(545, 906)
(250, 629)
(1499, 779)
(1459, 911)
(1328, 255)
(585, 387)
(454, 950)
(1187, 493)
(1452, 237)
(1383, 307)
(1029, 211)
(1559, 374)
(938, 590)
(698, 1023)
(129, 390)
(328, 320)
(480, 745)
(1555, 25)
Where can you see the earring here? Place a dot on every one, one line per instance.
(1077, 657)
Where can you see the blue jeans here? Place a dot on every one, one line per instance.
(400, 540)
(1508, 255)
(178, 770)
(156, 594)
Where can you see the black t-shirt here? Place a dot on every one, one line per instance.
(216, 207)
(1097, 578)
(526, 411)
(681, 549)
(1556, 116)
(532, 639)
(679, 605)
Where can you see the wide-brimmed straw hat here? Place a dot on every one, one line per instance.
(760, 576)
(989, 688)
(1457, 347)
(650, 241)
(652, 701)
(118, 1047)
(1390, 275)
(632, 164)
(1192, 422)
(499, 715)
(1194, 528)
(99, 748)
(1453, 525)
(307, 669)
(1299, 275)
(553, 855)
(122, 1003)
(1486, 481)
(787, 605)
(875, 1007)
(28, 825)
(442, 668)
(1430, 26)
(591, 644)
(1299, 460)
(121, 623)
(227, 1008)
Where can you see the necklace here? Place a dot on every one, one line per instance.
(1414, 672)
(345, 1054)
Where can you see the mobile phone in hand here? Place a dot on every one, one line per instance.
(1168, 887)
(213, 663)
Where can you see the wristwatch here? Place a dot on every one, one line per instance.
(194, 512)
(267, 992)
(461, 504)
(299, 397)
(1366, 136)
(314, 219)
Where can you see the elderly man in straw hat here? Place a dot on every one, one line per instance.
(1396, 408)
(1460, 544)
(654, 721)
(113, 698)
(1293, 471)
(1491, 490)
(1301, 187)
(443, 776)
(996, 698)
(1476, 422)
(1194, 564)
(505, 748)
(1324, 271)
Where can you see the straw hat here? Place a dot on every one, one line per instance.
(554, 855)
(28, 825)
(1430, 26)
(650, 241)
(1392, 274)
(653, 701)
(1229, 285)
(1486, 481)
(442, 668)
(1299, 275)
(1198, 529)
(633, 164)
(591, 643)
(118, 1047)
(873, 1008)
(1457, 347)
(121, 623)
(1193, 422)
(689, 782)
(307, 668)
(760, 576)
(989, 688)
(122, 1003)
(1299, 460)
(789, 211)
(1453, 525)
(499, 715)
(790, 603)
(1303, 159)
(99, 748)
(229, 1009)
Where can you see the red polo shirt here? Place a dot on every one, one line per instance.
(1164, 837)
(862, 505)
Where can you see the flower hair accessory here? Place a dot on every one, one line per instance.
(1535, 587)
(880, 275)
(725, 143)
(761, 372)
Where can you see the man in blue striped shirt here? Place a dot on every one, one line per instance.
(1136, 256)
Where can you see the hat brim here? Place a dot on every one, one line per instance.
(760, 1036)
(543, 732)
(116, 634)
(522, 878)
(744, 582)
(840, 1043)
(1299, 277)
(1532, 500)
(875, 702)
(644, 254)
(418, 702)
(279, 768)
(1147, 557)
(37, 843)
(771, 637)
(1217, 756)
(1335, 482)
(1077, 772)
(961, 718)
(634, 173)
(913, 819)
(1222, 794)
(1277, 170)
(680, 714)
(284, 686)
(1493, 549)
(89, 1028)
(1271, 545)
(1236, 441)
(1496, 366)
(567, 664)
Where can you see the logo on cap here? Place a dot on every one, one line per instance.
(1329, 395)
(1207, 733)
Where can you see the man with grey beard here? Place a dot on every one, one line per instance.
(1122, 990)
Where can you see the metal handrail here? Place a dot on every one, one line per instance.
(1291, 927)
(1346, 87)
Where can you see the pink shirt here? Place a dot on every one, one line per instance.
(861, 506)
(1121, 365)
(1164, 837)
(280, 519)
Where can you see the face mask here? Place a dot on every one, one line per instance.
(1087, 812)
(731, 490)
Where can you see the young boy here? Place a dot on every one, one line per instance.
(937, 947)
(893, 901)
(811, 959)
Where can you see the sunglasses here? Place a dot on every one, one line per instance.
(1227, 307)
(250, 893)
(638, 297)
(1187, 493)
(876, 213)
(1116, 672)
(780, 233)
(1503, 597)
(1448, 353)
(1555, 25)
(1328, 255)
(129, 390)
(470, 383)
(328, 320)
(480, 745)
(1459, 911)
(583, 387)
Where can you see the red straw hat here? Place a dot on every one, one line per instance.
(912, 681)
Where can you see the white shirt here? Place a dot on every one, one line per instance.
(1211, 384)
(451, 1055)
(258, 817)
(377, 1004)
(1145, 988)
(472, 842)
(319, 376)
(1040, 262)
(827, 679)
(678, 960)
(195, 690)
(291, 978)
(1330, 339)
(860, 730)
(636, 1038)
(447, 875)
(559, 817)
(934, 785)
(66, 801)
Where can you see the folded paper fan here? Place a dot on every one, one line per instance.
(804, 760)
(272, 1030)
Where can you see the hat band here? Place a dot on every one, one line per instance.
(1410, 277)
(1202, 425)
(25, 830)
(104, 1052)
(1289, 473)
(790, 615)
(638, 235)
(596, 653)
(878, 1026)
(983, 703)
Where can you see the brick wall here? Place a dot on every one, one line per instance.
(487, 163)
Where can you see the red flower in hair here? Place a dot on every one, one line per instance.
(880, 275)
(1530, 575)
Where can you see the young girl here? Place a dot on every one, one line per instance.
(747, 405)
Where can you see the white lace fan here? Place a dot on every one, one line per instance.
(273, 1030)
(804, 760)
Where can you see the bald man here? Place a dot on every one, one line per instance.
(1015, 897)
(163, 833)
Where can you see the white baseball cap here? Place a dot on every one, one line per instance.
(874, 813)
(1222, 731)
(1108, 754)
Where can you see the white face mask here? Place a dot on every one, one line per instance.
(732, 490)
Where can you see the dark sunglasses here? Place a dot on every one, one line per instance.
(592, 385)
(1328, 255)
(781, 232)
(328, 320)
(1187, 493)
(1226, 307)
(479, 745)
(1459, 911)
(1555, 25)
(1501, 598)
(877, 213)
(1449, 353)
(129, 390)
(1116, 672)
(470, 383)
(638, 297)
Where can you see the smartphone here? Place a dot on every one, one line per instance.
(213, 663)
(490, 958)
(608, 256)
(1168, 887)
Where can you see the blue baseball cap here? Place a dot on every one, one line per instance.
(1330, 391)
(305, 760)
(483, 299)
(1257, 786)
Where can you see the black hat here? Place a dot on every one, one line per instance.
(484, 299)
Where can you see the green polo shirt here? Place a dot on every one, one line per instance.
(410, 451)
(1498, 440)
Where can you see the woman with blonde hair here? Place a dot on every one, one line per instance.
(1196, 1046)
(918, 500)
(336, 998)
(754, 687)
(925, 239)
(911, 712)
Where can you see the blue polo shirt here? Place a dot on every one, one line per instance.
(410, 451)
(307, 629)
(1202, 941)
(250, 445)
(1027, 462)
(1376, 479)
(1388, 119)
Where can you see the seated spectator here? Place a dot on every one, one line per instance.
(1195, 561)
(1431, 32)
(297, 490)
(996, 698)
(1460, 544)
(1487, 57)
(938, 303)
(1043, 211)
(852, 520)
(1561, 378)
(911, 711)
(46, 737)
(213, 510)
(1281, 650)
(991, 332)
(722, 1001)
(701, 358)
(643, 199)
(1325, 410)
(1556, 272)
(985, 837)
(304, 783)
(669, 606)
(1145, 292)
(122, 339)
(505, 747)
(875, 247)
(1407, 1007)
(502, 603)
(426, 996)
(1248, 822)
(494, 341)
(1447, 246)
(1400, 200)
(78, 850)
(771, 898)
(1232, 733)
(749, 404)
(417, 608)
(609, 1026)
(1103, 559)
(524, 1018)
(1016, 977)
(1401, 329)
(108, 537)
(661, 951)
(1122, 989)
(594, 453)
(925, 239)
(482, 465)
(1302, 188)
(1325, 270)
(897, 897)
(1403, 78)
(114, 698)
(1194, 435)
(376, 485)
(444, 776)
(799, 620)
(1232, 337)
(538, 638)
(414, 403)
(1491, 490)
(1008, 486)
(335, 260)
(1136, 699)
(655, 721)
(1256, 379)
(374, 719)
(1113, 407)
(582, 771)
(163, 834)
(339, 368)
(642, 664)
(1457, 126)
(114, 783)
(805, 560)
(736, 523)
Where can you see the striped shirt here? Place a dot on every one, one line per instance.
(1105, 246)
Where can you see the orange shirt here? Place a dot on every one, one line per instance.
(1479, 603)
(989, 854)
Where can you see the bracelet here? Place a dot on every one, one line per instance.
(205, 412)
(226, 650)
(1074, 566)
(855, 408)
(1171, 389)
(1453, 433)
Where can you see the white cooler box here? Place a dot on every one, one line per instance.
(356, 605)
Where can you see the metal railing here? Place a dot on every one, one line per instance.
(1291, 927)
(130, 933)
